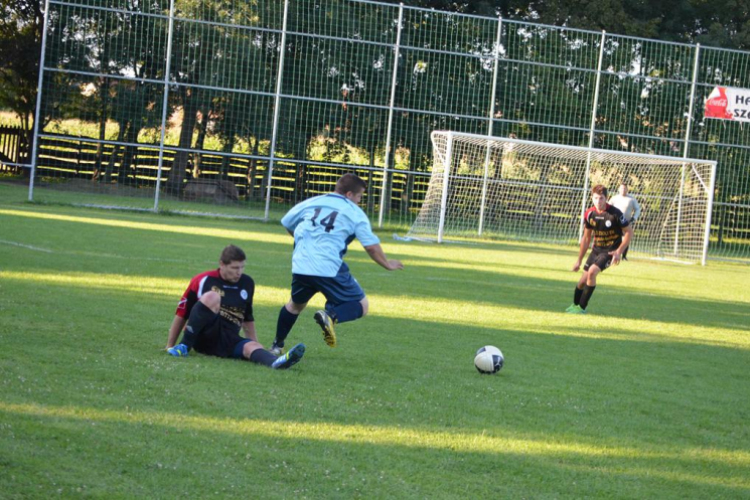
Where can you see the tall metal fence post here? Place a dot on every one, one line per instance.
(709, 210)
(585, 197)
(38, 112)
(391, 105)
(483, 202)
(688, 130)
(276, 110)
(691, 105)
(165, 102)
(446, 179)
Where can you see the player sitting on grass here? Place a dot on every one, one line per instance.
(612, 235)
(323, 227)
(215, 306)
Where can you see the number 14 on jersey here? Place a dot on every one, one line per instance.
(326, 222)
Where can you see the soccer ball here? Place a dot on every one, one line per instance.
(488, 360)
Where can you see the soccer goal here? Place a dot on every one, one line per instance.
(497, 188)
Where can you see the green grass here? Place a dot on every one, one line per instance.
(58, 192)
(647, 396)
(143, 199)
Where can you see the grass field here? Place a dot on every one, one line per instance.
(647, 396)
(84, 193)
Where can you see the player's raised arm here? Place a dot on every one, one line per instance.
(376, 253)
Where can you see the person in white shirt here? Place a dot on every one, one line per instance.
(628, 206)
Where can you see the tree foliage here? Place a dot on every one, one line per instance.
(722, 24)
(338, 68)
(21, 24)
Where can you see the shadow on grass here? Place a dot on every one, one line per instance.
(493, 284)
(628, 415)
(123, 446)
(421, 281)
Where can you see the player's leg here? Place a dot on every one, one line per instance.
(302, 292)
(345, 301)
(255, 353)
(590, 286)
(601, 262)
(289, 358)
(575, 307)
(287, 318)
(326, 322)
(349, 310)
(335, 313)
(204, 314)
(579, 288)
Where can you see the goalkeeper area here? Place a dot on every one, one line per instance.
(498, 188)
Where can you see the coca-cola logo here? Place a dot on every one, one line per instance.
(717, 104)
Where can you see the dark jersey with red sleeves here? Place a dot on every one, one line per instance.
(606, 225)
(236, 298)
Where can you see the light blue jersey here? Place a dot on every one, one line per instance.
(323, 227)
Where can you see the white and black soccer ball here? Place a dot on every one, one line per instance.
(488, 360)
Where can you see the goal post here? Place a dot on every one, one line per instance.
(485, 187)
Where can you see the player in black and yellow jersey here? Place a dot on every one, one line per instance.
(612, 234)
(216, 306)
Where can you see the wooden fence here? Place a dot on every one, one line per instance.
(293, 181)
(13, 148)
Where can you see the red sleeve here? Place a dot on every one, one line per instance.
(586, 219)
(190, 297)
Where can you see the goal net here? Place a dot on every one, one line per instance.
(498, 188)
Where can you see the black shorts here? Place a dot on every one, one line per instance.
(220, 339)
(601, 258)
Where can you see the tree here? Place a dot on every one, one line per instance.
(718, 24)
(101, 42)
(210, 55)
(21, 28)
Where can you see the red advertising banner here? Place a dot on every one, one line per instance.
(728, 103)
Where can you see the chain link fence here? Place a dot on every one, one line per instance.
(245, 108)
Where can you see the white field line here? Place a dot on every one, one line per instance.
(29, 247)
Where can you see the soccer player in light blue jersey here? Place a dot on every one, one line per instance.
(323, 227)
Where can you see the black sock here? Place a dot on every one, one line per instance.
(588, 291)
(577, 295)
(284, 325)
(200, 317)
(262, 357)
